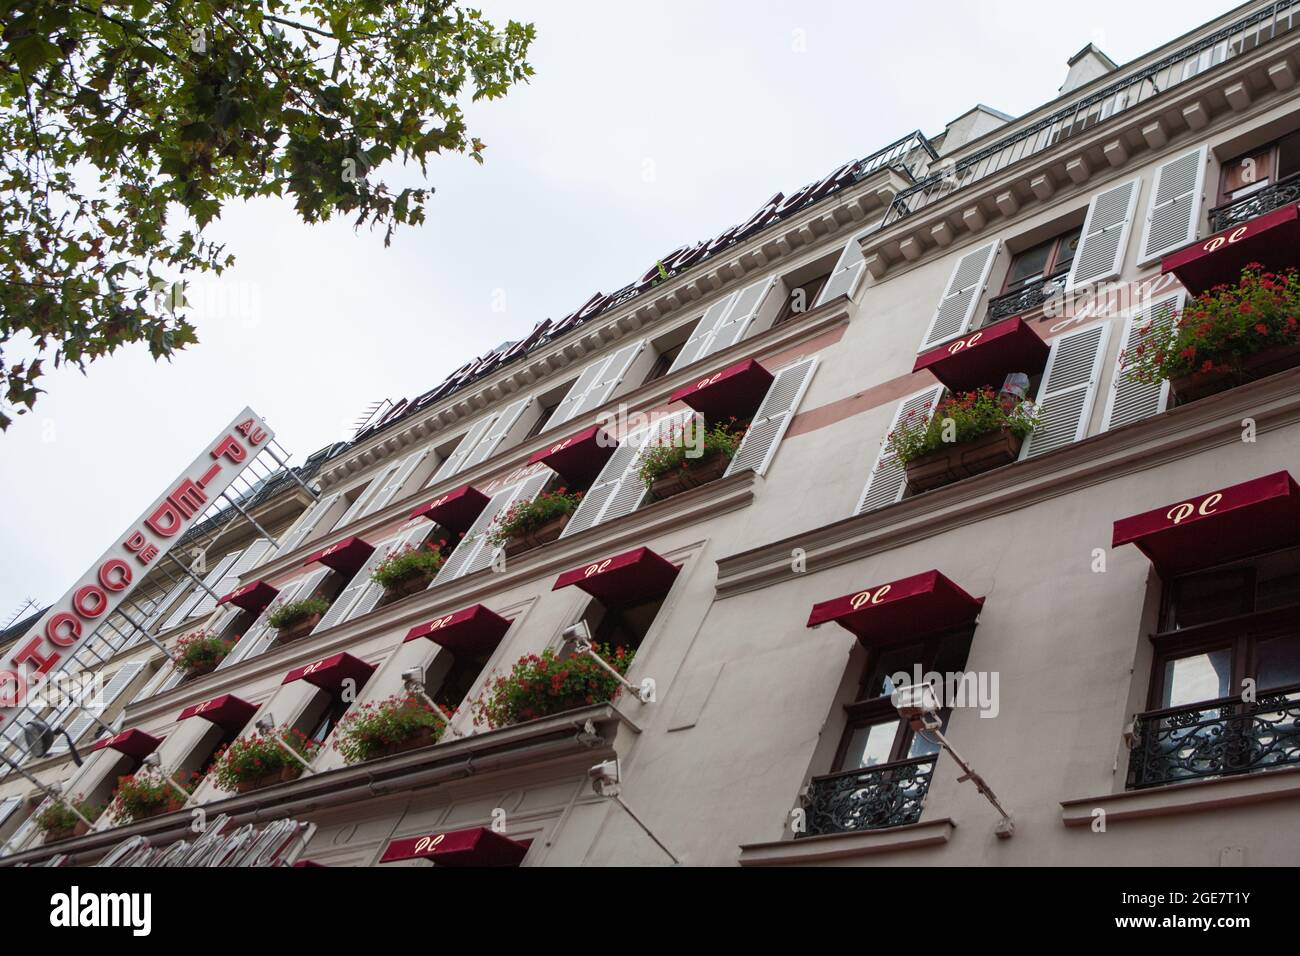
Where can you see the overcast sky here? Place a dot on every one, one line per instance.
(645, 127)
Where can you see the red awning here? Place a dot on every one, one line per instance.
(226, 711)
(1272, 240)
(468, 629)
(627, 578)
(910, 607)
(133, 743)
(1259, 515)
(253, 596)
(735, 390)
(476, 846)
(456, 510)
(986, 357)
(579, 458)
(330, 672)
(346, 556)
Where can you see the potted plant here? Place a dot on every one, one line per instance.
(387, 727)
(199, 653)
(296, 619)
(676, 463)
(528, 524)
(409, 570)
(542, 684)
(257, 760)
(1226, 336)
(58, 822)
(969, 433)
(144, 795)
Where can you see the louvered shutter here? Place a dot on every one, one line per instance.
(587, 379)
(456, 460)
(215, 573)
(773, 417)
(113, 689)
(607, 483)
(697, 345)
(348, 597)
(245, 561)
(497, 432)
(847, 274)
(1132, 401)
(373, 489)
(28, 827)
(365, 602)
(475, 552)
(173, 595)
(965, 286)
(1174, 210)
(307, 523)
(398, 480)
(260, 633)
(611, 376)
(1105, 235)
(7, 807)
(887, 480)
(740, 317)
(1068, 390)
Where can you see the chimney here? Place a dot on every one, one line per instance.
(1085, 66)
(971, 125)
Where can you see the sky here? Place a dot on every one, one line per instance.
(644, 128)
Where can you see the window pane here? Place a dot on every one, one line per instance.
(1279, 580)
(1288, 156)
(1065, 255)
(871, 745)
(1198, 677)
(1277, 661)
(1246, 174)
(890, 661)
(1029, 266)
(1201, 598)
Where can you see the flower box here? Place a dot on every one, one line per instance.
(199, 670)
(279, 775)
(298, 629)
(536, 537)
(697, 472)
(963, 460)
(1189, 388)
(407, 586)
(423, 737)
(66, 833)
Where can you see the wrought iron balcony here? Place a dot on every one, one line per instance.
(870, 798)
(1025, 299)
(1215, 738)
(1256, 204)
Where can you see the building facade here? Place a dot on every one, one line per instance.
(1119, 591)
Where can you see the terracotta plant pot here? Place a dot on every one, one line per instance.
(697, 472)
(962, 460)
(67, 833)
(298, 629)
(536, 537)
(283, 775)
(1188, 388)
(156, 811)
(199, 670)
(407, 586)
(424, 737)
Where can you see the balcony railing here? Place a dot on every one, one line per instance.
(1215, 738)
(870, 798)
(1256, 204)
(1097, 108)
(1023, 300)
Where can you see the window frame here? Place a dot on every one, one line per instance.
(1052, 268)
(1273, 150)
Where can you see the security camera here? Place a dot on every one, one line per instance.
(152, 760)
(604, 778)
(578, 634)
(915, 700)
(265, 723)
(413, 675)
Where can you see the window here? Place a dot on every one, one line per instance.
(625, 626)
(451, 675)
(1262, 167)
(1224, 694)
(664, 362)
(323, 715)
(1047, 260)
(800, 298)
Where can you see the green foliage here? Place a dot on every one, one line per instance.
(409, 562)
(258, 755)
(368, 730)
(959, 418)
(286, 615)
(58, 816)
(196, 650)
(1220, 328)
(526, 515)
(125, 128)
(682, 449)
(538, 685)
(142, 793)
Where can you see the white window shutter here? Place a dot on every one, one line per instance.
(368, 494)
(740, 318)
(846, 277)
(475, 552)
(1105, 235)
(244, 562)
(260, 632)
(7, 807)
(611, 376)
(1132, 401)
(965, 286)
(587, 380)
(888, 479)
(414, 535)
(607, 483)
(456, 460)
(397, 481)
(697, 345)
(1174, 210)
(497, 432)
(341, 609)
(173, 595)
(214, 575)
(1069, 388)
(307, 523)
(773, 417)
(113, 689)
